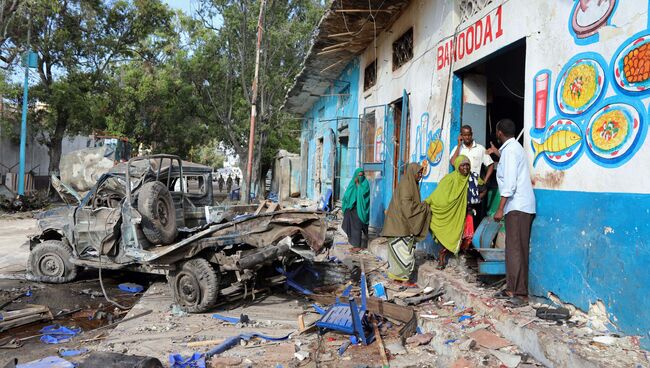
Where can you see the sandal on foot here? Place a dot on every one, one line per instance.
(516, 302)
(503, 294)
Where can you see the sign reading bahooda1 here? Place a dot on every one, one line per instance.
(481, 33)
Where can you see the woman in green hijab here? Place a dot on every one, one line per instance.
(406, 222)
(356, 209)
(448, 204)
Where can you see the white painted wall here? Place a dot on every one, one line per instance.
(549, 45)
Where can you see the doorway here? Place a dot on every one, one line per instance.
(341, 168)
(401, 131)
(493, 89)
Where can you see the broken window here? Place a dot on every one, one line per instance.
(369, 138)
(403, 49)
(370, 75)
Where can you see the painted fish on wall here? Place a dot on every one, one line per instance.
(556, 143)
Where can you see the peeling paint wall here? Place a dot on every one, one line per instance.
(327, 120)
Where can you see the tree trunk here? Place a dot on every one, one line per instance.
(258, 179)
(55, 144)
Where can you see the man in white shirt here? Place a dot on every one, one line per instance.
(475, 152)
(518, 206)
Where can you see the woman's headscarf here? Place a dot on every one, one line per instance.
(358, 195)
(406, 214)
(448, 204)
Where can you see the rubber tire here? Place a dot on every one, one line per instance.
(152, 197)
(60, 253)
(201, 273)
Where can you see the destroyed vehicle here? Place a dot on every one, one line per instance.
(162, 222)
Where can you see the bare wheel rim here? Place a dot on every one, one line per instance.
(161, 209)
(188, 288)
(51, 265)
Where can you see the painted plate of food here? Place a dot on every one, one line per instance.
(632, 65)
(561, 142)
(612, 130)
(580, 85)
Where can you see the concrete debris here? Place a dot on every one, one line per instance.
(509, 360)
(223, 362)
(489, 339)
(468, 345)
(301, 355)
(606, 340)
(420, 339)
(396, 348)
(462, 363)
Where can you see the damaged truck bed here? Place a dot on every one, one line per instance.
(142, 226)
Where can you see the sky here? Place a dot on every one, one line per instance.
(184, 5)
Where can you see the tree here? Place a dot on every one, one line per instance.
(225, 59)
(80, 44)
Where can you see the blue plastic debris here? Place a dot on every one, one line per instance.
(29, 292)
(344, 347)
(233, 341)
(419, 331)
(72, 352)
(464, 317)
(380, 291)
(56, 334)
(234, 320)
(48, 362)
(354, 340)
(130, 287)
(450, 341)
(196, 360)
(318, 309)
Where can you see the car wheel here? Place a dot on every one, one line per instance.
(156, 206)
(50, 262)
(195, 285)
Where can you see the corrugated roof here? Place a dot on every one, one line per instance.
(344, 32)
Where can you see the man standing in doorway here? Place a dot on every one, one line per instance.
(474, 151)
(478, 156)
(517, 205)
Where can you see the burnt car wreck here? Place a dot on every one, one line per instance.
(154, 214)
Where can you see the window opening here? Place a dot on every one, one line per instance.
(403, 49)
(370, 135)
(370, 75)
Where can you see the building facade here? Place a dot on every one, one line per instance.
(573, 75)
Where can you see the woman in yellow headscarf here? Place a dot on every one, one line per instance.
(448, 204)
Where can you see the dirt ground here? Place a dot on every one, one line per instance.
(83, 297)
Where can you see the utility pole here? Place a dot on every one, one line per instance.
(29, 61)
(251, 137)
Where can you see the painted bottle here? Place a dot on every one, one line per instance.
(541, 99)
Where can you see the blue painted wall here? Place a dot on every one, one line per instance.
(594, 246)
(321, 122)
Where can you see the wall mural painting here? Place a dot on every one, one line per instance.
(379, 144)
(615, 131)
(611, 131)
(435, 150)
(632, 64)
(561, 144)
(428, 146)
(581, 83)
(587, 17)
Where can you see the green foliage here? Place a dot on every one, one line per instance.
(209, 154)
(171, 82)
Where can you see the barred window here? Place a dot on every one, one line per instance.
(370, 75)
(403, 49)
